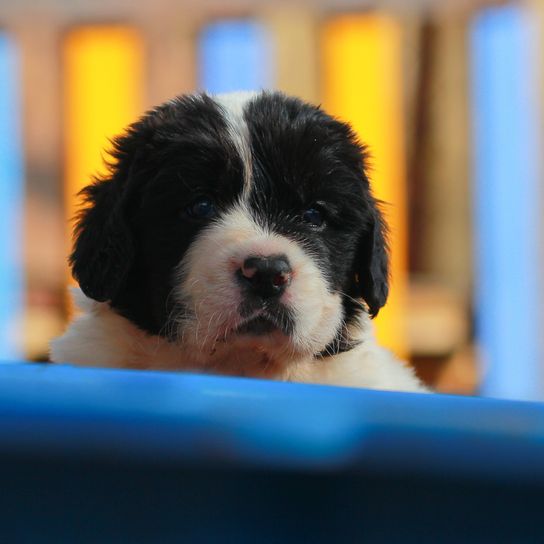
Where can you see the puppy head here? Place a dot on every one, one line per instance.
(241, 227)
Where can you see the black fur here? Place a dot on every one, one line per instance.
(302, 157)
(173, 153)
(134, 230)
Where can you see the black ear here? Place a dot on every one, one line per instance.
(103, 250)
(103, 247)
(372, 275)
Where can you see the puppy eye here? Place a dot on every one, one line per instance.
(201, 208)
(313, 216)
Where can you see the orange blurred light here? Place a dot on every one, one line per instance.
(363, 85)
(103, 74)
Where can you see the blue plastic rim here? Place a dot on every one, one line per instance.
(508, 202)
(63, 411)
(11, 202)
(235, 55)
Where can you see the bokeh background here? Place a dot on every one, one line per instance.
(447, 94)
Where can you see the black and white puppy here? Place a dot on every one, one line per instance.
(236, 234)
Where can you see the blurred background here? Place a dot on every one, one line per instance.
(447, 94)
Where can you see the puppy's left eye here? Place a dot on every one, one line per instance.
(201, 208)
(314, 216)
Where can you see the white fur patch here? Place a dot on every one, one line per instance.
(208, 287)
(233, 105)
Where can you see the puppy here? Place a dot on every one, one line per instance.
(235, 234)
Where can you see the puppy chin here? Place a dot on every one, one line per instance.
(264, 355)
(240, 346)
(274, 344)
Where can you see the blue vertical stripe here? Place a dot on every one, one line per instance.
(508, 202)
(234, 55)
(11, 201)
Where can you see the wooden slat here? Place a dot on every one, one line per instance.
(295, 43)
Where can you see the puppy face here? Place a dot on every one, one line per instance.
(241, 227)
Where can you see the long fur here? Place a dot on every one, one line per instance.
(197, 187)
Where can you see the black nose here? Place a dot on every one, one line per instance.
(266, 277)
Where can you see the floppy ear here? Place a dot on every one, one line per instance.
(372, 267)
(104, 249)
(103, 246)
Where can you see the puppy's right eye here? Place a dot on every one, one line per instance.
(201, 208)
(314, 216)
